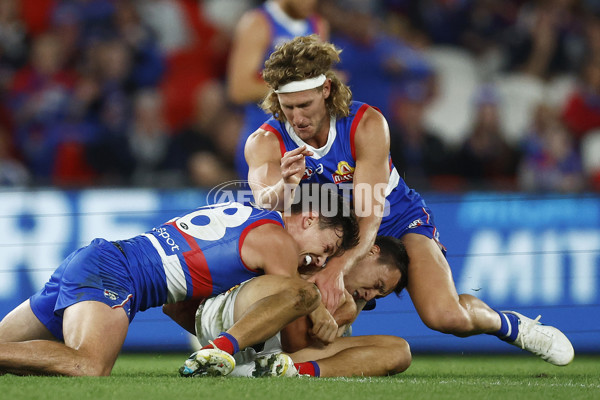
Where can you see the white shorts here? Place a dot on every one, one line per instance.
(216, 316)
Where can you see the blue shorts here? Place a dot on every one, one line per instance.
(420, 220)
(97, 272)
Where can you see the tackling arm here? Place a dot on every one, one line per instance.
(371, 177)
(299, 334)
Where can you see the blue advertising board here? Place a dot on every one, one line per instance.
(532, 254)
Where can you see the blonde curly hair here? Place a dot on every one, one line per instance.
(302, 58)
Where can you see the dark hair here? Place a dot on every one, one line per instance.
(393, 254)
(334, 212)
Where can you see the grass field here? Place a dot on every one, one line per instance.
(150, 376)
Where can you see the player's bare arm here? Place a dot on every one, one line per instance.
(370, 180)
(299, 334)
(250, 42)
(273, 178)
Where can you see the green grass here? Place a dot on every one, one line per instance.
(150, 376)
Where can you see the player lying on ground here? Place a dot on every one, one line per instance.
(77, 323)
(380, 273)
(318, 134)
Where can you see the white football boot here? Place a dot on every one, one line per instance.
(208, 362)
(542, 340)
(274, 365)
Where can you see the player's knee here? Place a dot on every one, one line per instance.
(307, 297)
(89, 366)
(399, 355)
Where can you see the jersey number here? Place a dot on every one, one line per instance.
(211, 223)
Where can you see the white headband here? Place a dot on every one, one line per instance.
(298, 86)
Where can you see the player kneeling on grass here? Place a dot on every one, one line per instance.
(380, 273)
(77, 323)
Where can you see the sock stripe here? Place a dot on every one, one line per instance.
(507, 323)
(234, 342)
(317, 369)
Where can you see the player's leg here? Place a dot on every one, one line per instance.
(266, 304)
(432, 290)
(245, 316)
(94, 334)
(263, 306)
(21, 324)
(433, 293)
(376, 355)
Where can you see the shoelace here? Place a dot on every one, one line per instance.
(523, 334)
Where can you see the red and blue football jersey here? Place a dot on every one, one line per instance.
(335, 163)
(196, 255)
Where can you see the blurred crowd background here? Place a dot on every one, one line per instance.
(497, 95)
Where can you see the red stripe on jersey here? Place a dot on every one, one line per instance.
(426, 213)
(245, 233)
(269, 128)
(197, 266)
(355, 121)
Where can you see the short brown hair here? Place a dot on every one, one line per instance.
(302, 58)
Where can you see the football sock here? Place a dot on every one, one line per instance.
(509, 328)
(308, 368)
(225, 342)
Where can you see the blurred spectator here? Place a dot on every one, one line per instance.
(148, 63)
(207, 146)
(484, 33)
(150, 144)
(93, 18)
(550, 160)
(485, 158)
(12, 171)
(37, 15)
(109, 90)
(582, 111)
(375, 63)
(546, 39)
(195, 50)
(418, 154)
(257, 34)
(39, 100)
(13, 42)
(442, 20)
(71, 71)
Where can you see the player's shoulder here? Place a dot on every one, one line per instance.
(272, 236)
(264, 139)
(371, 120)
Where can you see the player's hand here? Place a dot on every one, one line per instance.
(330, 281)
(293, 165)
(324, 328)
